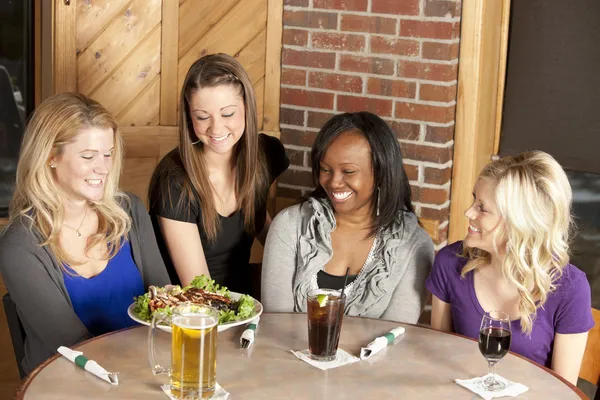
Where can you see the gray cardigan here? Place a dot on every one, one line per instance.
(391, 285)
(35, 282)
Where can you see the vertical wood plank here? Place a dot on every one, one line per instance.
(65, 47)
(476, 108)
(37, 52)
(502, 73)
(46, 49)
(273, 65)
(169, 60)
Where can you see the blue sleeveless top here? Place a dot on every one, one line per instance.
(101, 301)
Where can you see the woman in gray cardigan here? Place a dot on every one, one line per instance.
(360, 217)
(77, 250)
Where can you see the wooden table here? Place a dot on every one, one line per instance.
(421, 365)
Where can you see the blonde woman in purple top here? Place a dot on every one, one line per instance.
(515, 259)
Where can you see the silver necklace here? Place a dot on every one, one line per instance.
(77, 230)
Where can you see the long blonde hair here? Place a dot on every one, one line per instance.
(36, 198)
(533, 196)
(249, 162)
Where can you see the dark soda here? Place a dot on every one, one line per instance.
(324, 326)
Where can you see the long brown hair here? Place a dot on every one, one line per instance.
(248, 161)
(55, 123)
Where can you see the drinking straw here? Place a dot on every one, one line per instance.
(339, 316)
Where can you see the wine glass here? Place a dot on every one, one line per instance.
(494, 342)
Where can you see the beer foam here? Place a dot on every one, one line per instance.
(195, 322)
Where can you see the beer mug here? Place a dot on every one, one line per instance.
(193, 350)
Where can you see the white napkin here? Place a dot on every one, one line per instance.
(512, 388)
(341, 358)
(220, 393)
(380, 343)
(250, 331)
(89, 365)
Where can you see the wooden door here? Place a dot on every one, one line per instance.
(132, 57)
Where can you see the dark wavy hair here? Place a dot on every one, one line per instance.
(386, 158)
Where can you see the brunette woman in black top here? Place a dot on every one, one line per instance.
(208, 196)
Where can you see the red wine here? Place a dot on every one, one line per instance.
(494, 343)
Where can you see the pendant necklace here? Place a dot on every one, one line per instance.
(77, 230)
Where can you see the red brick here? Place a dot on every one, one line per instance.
(296, 156)
(305, 98)
(442, 8)
(317, 119)
(295, 37)
(360, 23)
(437, 176)
(391, 88)
(400, 47)
(437, 93)
(406, 130)
(310, 19)
(429, 29)
(337, 41)
(432, 213)
(412, 172)
(289, 193)
(402, 7)
(433, 196)
(440, 51)
(442, 234)
(298, 137)
(292, 117)
(296, 177)
(308, 58)
(350, 5)
(371, 65)
(424, 112)
(439, 134)
(422, 152)
(381, 107)
(343, 83)
(293, 77)
(428, 71)
(296, 3)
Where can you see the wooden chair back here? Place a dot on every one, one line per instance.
(590, 367)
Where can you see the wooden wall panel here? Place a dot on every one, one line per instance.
(136, 176)
(94, 16)
(231, 34)
(145, 109)
(136, 72)
(122, 35)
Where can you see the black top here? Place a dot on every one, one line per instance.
(335, 282)
(228, 255)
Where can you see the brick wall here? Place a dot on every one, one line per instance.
(395, 58)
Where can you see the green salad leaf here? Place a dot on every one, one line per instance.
(240, 309)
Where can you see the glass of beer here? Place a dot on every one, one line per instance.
(193, 372)
(325, 309)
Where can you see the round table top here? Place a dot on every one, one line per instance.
(422, 364)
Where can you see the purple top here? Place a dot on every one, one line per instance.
(567, 309)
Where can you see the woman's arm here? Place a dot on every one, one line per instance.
(279, 264)
(568, 354)
(441, 315)
(409, 296)
(153, 267)
(185, 248)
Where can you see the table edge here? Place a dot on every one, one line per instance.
(20, 393)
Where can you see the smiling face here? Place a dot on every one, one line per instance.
(80, 171)
(484, 218)
(346, 174)
(218, 116)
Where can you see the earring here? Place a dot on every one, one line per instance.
(52, 165)
(378, 197)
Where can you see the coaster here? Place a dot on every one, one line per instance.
(341, 358)
(220, 394)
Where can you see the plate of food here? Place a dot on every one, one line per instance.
(234, 308)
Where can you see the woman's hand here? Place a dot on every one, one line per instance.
(185, 248)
